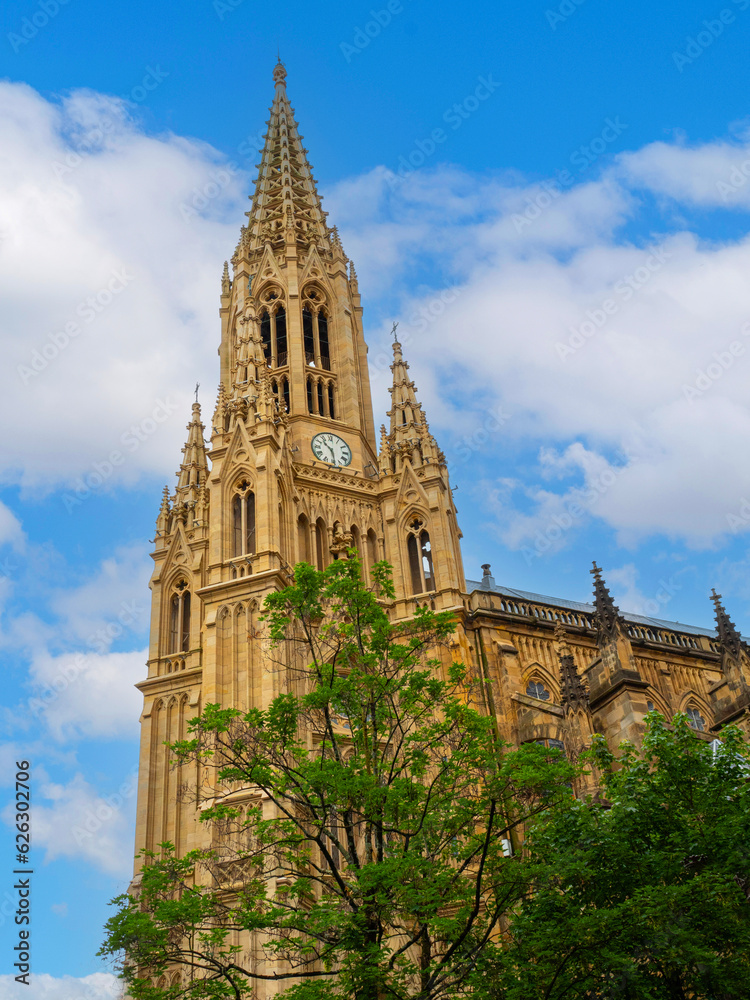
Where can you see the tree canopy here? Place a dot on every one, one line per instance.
(369, 836)
(643, 892)
(372, 855)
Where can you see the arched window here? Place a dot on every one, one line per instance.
(265, 335)
(420, 558)
(243, 521)
(281, 351)
(309, 396)
(325, 351)
(695, 719)
(535, 689)
(303, 539)
(308, 336)
(285, 394)
(372, 548)
(331, 410)
(179, 619)
(321, 539)
(356, 540)
(320, 398)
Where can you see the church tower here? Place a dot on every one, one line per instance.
(289, 472)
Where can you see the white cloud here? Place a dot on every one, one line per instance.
(97, 986)
(711, 174)
(73, 821)
(70, 223)
(114, 601)
(88, 695)
(584, 336)
(596, 346)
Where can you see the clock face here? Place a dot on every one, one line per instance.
(332, 449)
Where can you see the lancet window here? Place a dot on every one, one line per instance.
(179, 619)
(321, 396)
(315, 330)
(243, 520)
(420, 558)
(695, 719)
(273, 333)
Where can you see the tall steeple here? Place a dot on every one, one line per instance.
(286, 206)
(409, 436)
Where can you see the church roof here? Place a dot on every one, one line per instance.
(589, 609)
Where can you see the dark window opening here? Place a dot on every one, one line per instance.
(331, 411)
(309, 396)
(307, 334)
(325, 352)
(281, 350)
(320, 398)
(695, 719)
(535, 689)
(285, 392)
(265, 335)
(416, 576)
(429, 576)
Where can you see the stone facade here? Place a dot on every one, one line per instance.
(267, 493)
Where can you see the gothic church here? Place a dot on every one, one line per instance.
(294, 472)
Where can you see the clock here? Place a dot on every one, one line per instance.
(332, 449)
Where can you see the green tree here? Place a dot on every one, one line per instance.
(377, 864)
(641, 892)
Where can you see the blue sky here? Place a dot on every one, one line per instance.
(569, 263)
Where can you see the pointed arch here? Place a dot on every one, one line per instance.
(535, 673)
(322, 549)
(419, 555)
(699, 713)
(304, 553)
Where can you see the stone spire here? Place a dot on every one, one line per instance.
(573, 693)
(729, 637)
(286, 206)
(409, 436)
(608, 615)
(612, 638)
(193, 470)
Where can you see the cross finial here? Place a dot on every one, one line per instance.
(197, 387)
(393, 331)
